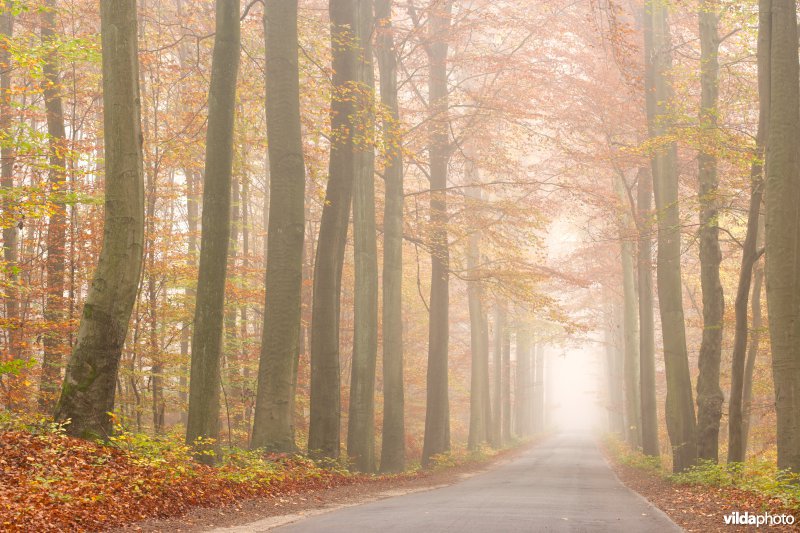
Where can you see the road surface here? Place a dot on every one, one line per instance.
(562, 484)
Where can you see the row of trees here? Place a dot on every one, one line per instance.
(694, 434)
(135, 292)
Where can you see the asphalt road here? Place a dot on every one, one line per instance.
(562, 484)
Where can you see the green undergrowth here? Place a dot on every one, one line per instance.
(758, 475)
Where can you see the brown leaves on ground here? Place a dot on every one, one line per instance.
(700, 508)
(56, 483)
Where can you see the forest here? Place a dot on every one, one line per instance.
(267, 247)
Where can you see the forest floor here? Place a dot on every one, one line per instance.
(51, 482)
(700, 505)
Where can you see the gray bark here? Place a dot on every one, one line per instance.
(55, 309)
(709, 393)
(10, 251)
(630, 323)
(681, 422)
(437, 409)
(273, 426)
(737, 441)
(361, 421)
(87, 394)
(497, 349)
(782, 231)
(325, 423)
(647, 343)
(207, 334)
(393, 441)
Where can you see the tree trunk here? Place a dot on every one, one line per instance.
(614, 361)
(231, 344)
(361, 420)
(437, 409)
(782, 268)
(709, 393)
(324, 428)
(87, 395)
(393, 441)
(630, 323)
(681, 423)
(505, 393)
(54, 310)
(737, 441)
(7, 181)
(752, 353)
(479, 340)
(522, 388)
(647, 342)
(495, 433)
(538, 389)
(207, 334)
(273, 428)
(192, 215)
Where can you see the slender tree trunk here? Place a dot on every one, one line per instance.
(479, 340)
(647, 343)
(737, 442)
(207, 334)
(752, 353)
(230, 351)
(497, 377)
(782, 231)
(325, 423)
(522, 388)
(614, 363)
(273, 428)
(54, 311)
(393, 442)
(505, 393)
(538, 389)
(361, 420)
(437, 409)
(192, 215)
(7, 180)
(709, 393)
(244, 333)
(87, 395)
(681, 423)
(630, 323)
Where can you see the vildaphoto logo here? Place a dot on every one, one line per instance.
(764, 519)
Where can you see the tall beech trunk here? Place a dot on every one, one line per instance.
(393, 441)
(273, 426)
(192, 216)
(681, 423)
(616, 417)
(538, 388)
(752, 354)
(87, 394)
(495, 434)
(207, 334)
(479, 339)
(437, 409)
(505, 392)
(361, 420)
(709, 393)
(325, 423)
(231, 343)
(10, 251)
(782, 231)
(737, 441)
(522, 388)
(54, 308)
(647, 340)
(630, 323)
